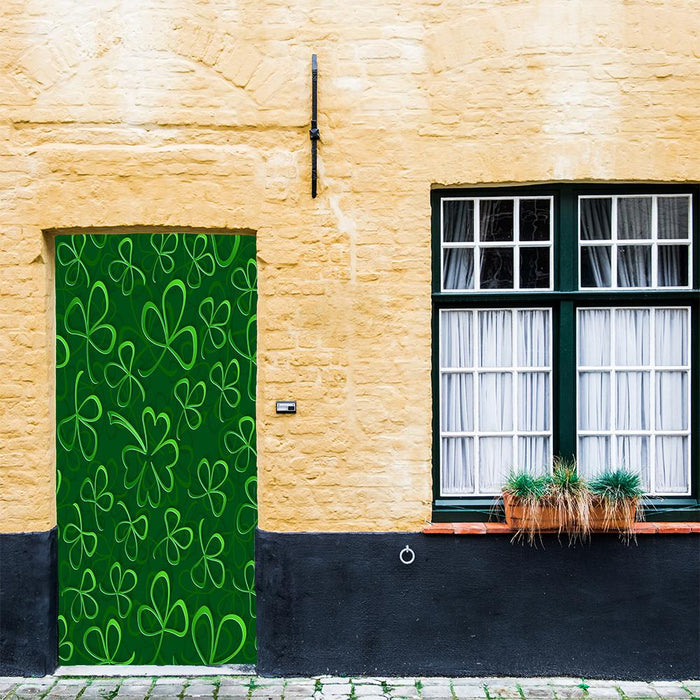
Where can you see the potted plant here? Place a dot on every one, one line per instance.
(617, 501)
(564, 501)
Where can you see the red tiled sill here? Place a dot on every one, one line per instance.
(503, 529)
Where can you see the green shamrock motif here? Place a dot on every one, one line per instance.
(149, 463)
(202, 262)
(65, 646)
(121, 583)
(77, 427)
(247, 515)
(165, 245)
(190, 400)
(246, 281)
(87, 323)
(211, 484)
(84, 605)
(130, 531)
(106, 643)
(69, 255)
(241, 444)
(161, 618)
(123, 271)
(207, 641)
(59, 481)
(215, 322)
(176, 539)
(99, 240)
(248, 586)
(228, 392)
(249, 353)
(94, 491)
(209, 566)
(120, 375)
(61, 343)
(165, 324)
(82, 543)
(233, 241)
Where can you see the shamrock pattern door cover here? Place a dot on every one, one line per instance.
(156, 452)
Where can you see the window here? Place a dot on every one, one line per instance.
(565, 320)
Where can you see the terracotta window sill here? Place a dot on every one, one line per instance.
(503, 529)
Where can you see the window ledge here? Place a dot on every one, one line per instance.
(503, 529)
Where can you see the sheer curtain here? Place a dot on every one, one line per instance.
(621, 369)
(486, 431)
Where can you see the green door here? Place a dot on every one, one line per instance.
(156, 452)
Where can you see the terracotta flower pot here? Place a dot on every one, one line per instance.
(622, 519)
(541, 518)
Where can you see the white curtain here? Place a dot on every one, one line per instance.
(458, 268)
(507, 340)
(633, 346)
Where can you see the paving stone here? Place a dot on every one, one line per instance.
(533, 692)
(602, 693)
(568, 692)
(636, 689)
(474, 690)
(668, 689)
(497, 690)
(168, 687)
(101, 688)
(33, 689)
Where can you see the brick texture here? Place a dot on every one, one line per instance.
(179, 113)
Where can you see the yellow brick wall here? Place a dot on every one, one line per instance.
(195, 113)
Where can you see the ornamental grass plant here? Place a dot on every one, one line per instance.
(563, 501)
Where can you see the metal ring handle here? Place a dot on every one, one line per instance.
(407, 555)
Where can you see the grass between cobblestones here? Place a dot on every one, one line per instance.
(337, 688)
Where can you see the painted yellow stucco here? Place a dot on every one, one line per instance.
(196, 113)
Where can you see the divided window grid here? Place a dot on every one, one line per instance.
(496, 243)
(495, 396)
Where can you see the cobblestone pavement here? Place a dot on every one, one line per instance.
(335, 688)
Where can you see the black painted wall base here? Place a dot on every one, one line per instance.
(478, 606)
(28, 600)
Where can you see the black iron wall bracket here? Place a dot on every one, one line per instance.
(314, 133)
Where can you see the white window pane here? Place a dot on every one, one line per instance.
(456, 339)
(596, 215)
(634, 266)
(673, 265)
(495, 461)
(457, 268)
(457, 466)
(672, 401)
(674, 217)
(672, 465)
(593, 455)
(672, 337)
(594, 337)
(533, 338)
(633, 401)
(533, 401)
(634, 218)
(596, 266)
(594, 401)
(633, 454)
(495, 402)
(496, 219)
(457, 403)
(458, 221)
(495, 333)
(534, 455)
(632, 337)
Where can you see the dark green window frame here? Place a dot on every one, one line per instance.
(564, 300)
